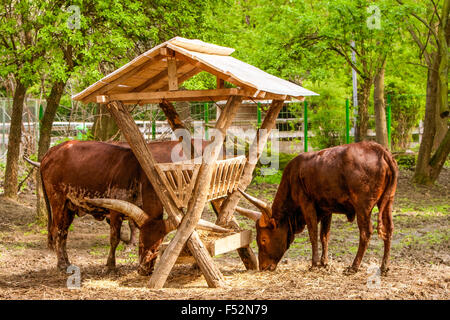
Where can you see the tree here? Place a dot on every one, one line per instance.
(429, 29)
(90, 39)
(380, 107)
(20, 56)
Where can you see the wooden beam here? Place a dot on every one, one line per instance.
(220, 83)
(121, 79)
(172, 73)
(184, 77)
(230, 203)
(160, 76)
(198, 199)
(140, 149)
(169, 95)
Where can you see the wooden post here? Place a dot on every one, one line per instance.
(172, 73)
(229, 205)
(140, 149)
(197, 201)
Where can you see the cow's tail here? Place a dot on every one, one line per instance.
(49, 216)
(385, 226)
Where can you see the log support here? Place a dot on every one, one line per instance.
(137, 143)
(230, 203)
(195, 208)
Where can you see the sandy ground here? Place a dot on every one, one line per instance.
(420, 267)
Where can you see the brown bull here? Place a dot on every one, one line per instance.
(349, 179)
(78, 170)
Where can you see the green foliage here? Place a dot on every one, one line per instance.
(407, 109)
(406, 161)
(275, 177)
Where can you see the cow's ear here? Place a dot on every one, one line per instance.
(264, 221)
(272, 223)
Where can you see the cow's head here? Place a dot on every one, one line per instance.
(151, 231)
(272, 236)
(151, 235)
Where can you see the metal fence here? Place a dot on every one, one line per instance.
(77, 121)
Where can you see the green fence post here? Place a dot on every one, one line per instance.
(305, 127)
(154, 125)
(206, 115)
(258, 113)
(347, 121)
(388, 124)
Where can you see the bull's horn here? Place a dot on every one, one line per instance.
(140, 217)
(254, 215)
(33, 163)
(202, 224)
(261, 205)
(131, 210)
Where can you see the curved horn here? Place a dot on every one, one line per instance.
(129, 209)
(140, 217)
(202, 224)
(261, 205)
(33, 163)
(254, 215)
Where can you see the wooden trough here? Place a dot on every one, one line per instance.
(185, 188)
(180, 177)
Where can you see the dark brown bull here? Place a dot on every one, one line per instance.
(78, 170)
(349, 179)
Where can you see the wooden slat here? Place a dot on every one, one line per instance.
(168, 95)
(120, 80)
(230, 243)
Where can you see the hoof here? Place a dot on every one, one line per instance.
(384, 272)
(314, 268)
(62, 267)
(349, 271)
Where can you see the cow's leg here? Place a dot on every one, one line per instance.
(61, 224)
(389, 228)
(365, 231)
(114, 238)
(312, 224)
(325, 225)
(133, 231)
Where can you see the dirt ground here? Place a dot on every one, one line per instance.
(420, 267)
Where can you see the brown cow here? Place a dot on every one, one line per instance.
(349, 179)
(76, 170)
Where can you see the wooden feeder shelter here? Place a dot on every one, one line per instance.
(184, 188)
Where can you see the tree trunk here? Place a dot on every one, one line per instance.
(444, 39)
(104, 128)
(362, 123)
(380, 108)
(14, 140)
(45, 131)
(429, 166)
